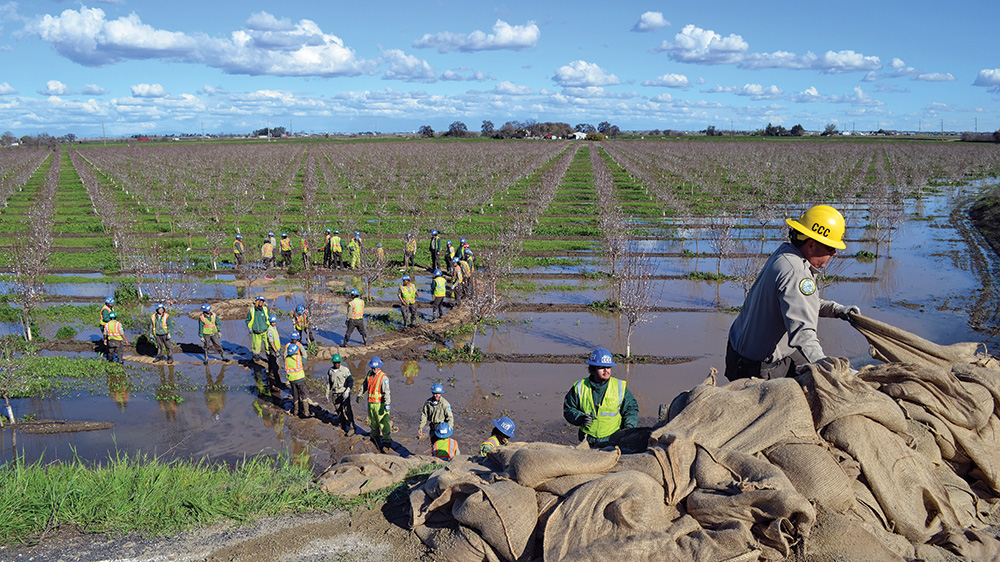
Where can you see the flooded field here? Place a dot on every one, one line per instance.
(931, 283)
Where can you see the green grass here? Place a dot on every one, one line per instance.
(141, 494)
(49, 374)
(706, 276)
(450, 355)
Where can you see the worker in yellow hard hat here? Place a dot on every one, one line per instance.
(775, 331)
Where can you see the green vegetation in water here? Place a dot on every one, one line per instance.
(519, 286)
(706, 276)
(450, 355)
(865, 256)
(86, 313)
(606, 305)
(140, 494)
(66, 333)
(46, 374)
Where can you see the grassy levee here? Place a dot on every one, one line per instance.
(147, 495)
(12, 216)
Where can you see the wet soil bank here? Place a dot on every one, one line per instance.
(985, 215)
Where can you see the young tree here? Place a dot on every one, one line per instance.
(371, 269)
(635, 299)
(486, 301)
(13, 377)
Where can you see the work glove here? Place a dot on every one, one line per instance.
(387, 408)
(845, 312)
(168, 337)
(587, 419)
(357, 398)
(346, 395)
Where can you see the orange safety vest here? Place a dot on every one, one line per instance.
(374, 383)
(491, 444)
(305, 246)
(380, 253)
(335, 244)
(445, 448)
(267, 250)
(294, 368)
(163, 321)
(357, 308)
(238, 247)
(300, 321)
(411, 245)
(208, 323)
(106, 308)
(113, 329)
(456, 272)
(286, 245)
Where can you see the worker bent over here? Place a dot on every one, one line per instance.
(444, 446)
(503, 432)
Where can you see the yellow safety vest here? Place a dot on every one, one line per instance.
(267, 250)
(411, 245)
(335, 244)
(491, 444)
(113, 329)
(286, 245)
(163, 321)
(456, 272)
(300, 321)
(253, 315)
(208, 323)
(440, 287)
(466, 269)
(607, 418)
(238, 247)
(445, 448)
(408, 293)
(374, 382)
(294, 368)
(305, 246)
(273, 338)
(357, 308)
(380, 253)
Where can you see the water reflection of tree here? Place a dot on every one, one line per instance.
(215, 391)
(410, 371)
(118, 386)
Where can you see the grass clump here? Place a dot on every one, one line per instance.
(463, 354)
(706, 276)
(606, 305)
(141, 494)
(66, 333)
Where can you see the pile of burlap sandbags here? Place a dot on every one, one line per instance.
(895, 462)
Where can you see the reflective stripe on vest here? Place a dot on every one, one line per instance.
(411, 245)
(457, 274)
(286, 245)
(273, 338)
(335, 244)
(104, 310)
(380, 253)
(466, 268)
(113, 329)
(491, 444)
(608, 418)
(440, 288)
(208, 323)
(357, 309)
(163, 321)
(409, 293)
(445, 448)
(267, 250)
(305, 246)
(375, 386)
(238, 247)
(253, 315)
(294, 368)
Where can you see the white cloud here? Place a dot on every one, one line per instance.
(650, 21)
(93, 90)
(592, 92)
(208, 90)
(754, 91)
(6, 89)
(937, 106)
(509, 88)
(856, 98)
(465, 74)
(694, 44)
(831, 62)
(582, 74)
(267, 47)
(407, 68)
(989, 78)
(54, 88)
(504, 36)
(668, 81)
(148, 91)
(935, 77)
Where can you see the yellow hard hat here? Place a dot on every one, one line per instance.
(822, 223)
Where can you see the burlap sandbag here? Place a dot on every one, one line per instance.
(890, 344)
(814, 472)
(599, 517)
(456, 544)
(734, 486)
(749, 420)
(901, 479)
(531, 467)
(357, 474)
(833, 392)
(835, 538)
(503, 513)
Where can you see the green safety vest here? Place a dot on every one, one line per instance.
(607, 418)
(440, 288)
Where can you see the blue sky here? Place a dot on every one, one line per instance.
(178, 66)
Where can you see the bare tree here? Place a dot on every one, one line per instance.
(27, 268)
(746, 266)
(635, 299)
(13, 375)
(371, 269)
(486, 301)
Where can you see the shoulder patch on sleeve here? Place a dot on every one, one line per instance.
(807, 286)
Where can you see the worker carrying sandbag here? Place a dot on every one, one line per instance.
(600, 404)
(775, 331)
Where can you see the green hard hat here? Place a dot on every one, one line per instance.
(335, 358)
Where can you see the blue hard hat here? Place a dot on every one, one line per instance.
(336, 232)
(379, 244)
(300, 309)
(292, 349)
(468, 252)
(434, 233)
(260, 297)
(462, 241)
(109, 300)
(206, 307)
(284, 235)
(601, 358)
(295, 336)
(406, 278)
(273, 319)
(270, 233)
(375, 362)
(355, 293)
(239, 237)
(437, 388)
(328, 231)
(449, 243)
(357, 233)
(158, 306)
(444, 430)
(454, 259)
(505, 425)
(437, 273)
